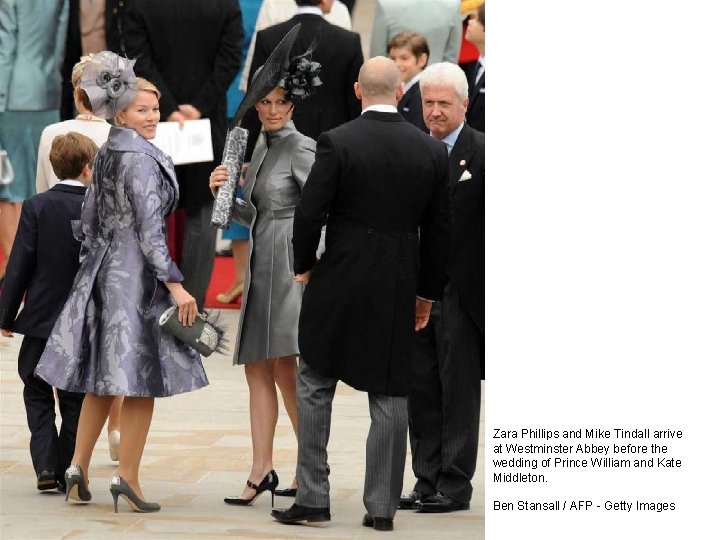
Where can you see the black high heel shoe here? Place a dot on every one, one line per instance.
(269, 483)
(75, 485)
(118, 487)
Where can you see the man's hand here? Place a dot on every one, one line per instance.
(178, 117)
(422, 313)
(303, 278)
(189, 112)
(5, 332)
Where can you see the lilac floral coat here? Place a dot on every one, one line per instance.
(107, 340)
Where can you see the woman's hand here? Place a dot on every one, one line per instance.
(218, 177)
(187, 307)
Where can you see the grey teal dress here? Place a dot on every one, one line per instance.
(107, 339)
(271, 298)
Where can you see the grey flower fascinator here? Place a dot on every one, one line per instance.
(109, 82)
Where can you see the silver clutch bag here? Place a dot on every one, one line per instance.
(204, 335)
(233, 157)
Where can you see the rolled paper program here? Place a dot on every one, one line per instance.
(233, 156)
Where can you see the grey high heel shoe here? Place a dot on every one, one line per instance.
(118, 487)
(75, 485)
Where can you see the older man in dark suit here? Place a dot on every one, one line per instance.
(339, 53)
(381, 185)
(444, 400)
(191, 51)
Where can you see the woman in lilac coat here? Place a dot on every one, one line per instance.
(107, 340)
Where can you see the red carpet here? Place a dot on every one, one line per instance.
(222, 277)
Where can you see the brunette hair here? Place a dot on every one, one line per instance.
(481, 14)
(413, 41)
(70, 153)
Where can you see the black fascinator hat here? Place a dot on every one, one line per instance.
(297, 75)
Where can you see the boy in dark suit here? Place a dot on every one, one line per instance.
(410, 52)
(42, 267)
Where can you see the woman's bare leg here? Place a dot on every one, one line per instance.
(9, 219)
(92, 419)
(135, 417)
(263, 419)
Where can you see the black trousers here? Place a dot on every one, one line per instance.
(49, 450)
(444, 400)
(198, 255)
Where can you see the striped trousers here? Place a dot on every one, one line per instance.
(384, 452)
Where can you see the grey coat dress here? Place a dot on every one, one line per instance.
(107, 339)
(271, 298)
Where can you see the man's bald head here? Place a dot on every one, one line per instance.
(379, 81)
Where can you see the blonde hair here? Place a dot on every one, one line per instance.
(75, 78)
(143, 85)
(147, 86)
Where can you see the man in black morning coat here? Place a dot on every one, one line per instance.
(381, 184)
(444, 400)
(340, 56)
(191, 51)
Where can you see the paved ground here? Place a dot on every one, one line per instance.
(199, 451)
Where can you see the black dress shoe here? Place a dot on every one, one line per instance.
(378, 523)
(289, 492)
(440, 503)
(298, 513)
(46, 480)
(407, 502)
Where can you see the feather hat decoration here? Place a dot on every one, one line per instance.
(267, 77)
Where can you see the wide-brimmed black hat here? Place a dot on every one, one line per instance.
(297, 75)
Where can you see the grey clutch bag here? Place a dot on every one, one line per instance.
(205, 336)
(233, 156)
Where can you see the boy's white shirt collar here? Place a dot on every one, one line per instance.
(72, 183)
(408, 85)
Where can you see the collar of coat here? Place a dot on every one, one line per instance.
(129, 140)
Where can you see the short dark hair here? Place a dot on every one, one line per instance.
(412, 40)
(481, 14)
(307, 2)
(70, 153)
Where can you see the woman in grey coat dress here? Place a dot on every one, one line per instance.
(107, 340)
(267, 342)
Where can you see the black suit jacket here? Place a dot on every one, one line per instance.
(43, 261)
(191, 51)
(377, 180)
(410, 107)
(466, 267)
(340, 55)
(476, 106)
(73, 46)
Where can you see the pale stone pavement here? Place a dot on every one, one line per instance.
(199, 451)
